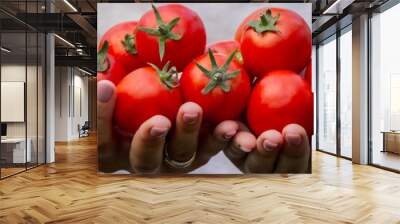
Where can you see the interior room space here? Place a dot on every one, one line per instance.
(49, 161)
(74, 104)
(22, 101)
(385, 90)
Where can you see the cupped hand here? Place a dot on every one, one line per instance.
(145, 152)
(272, 152)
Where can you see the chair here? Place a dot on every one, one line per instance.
(84, 130)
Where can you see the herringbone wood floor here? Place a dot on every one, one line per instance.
(70, 191)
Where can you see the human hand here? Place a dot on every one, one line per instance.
(272, 151)
(145, 150)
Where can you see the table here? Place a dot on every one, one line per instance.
(13, 150)
(391, 141)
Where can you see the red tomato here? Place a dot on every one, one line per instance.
(108, 68)
(144, 93)
(227, 47)
(280, 98)
(276, 39)
(239, 31)
(178, 36)
(218, 84)
(243, 26)
(121, 40)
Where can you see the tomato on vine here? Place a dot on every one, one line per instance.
(171, 33)
(218, 84)
(146, 92)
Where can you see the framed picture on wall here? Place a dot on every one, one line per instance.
(12, 101)
(201, 88)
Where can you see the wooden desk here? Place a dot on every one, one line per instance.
(391, 141)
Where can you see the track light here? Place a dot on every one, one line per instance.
(65, 41)
(337, 7)
(5, 50)
(70, 5)
(84, 71)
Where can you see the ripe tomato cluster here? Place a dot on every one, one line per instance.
(161, 61)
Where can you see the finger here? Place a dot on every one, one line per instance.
(262, 160)
(106, 96)
(183, 144)
(295, 154)
(147, 146)
(222, 134)
(243, 143)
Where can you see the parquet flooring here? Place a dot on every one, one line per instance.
(70, 191)
(10, 171)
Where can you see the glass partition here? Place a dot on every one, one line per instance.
(22, 92)
(327, 95)
(385, 89)
(346, 93)
(15, 150)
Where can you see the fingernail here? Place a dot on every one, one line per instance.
(229, 134)
(244, 149)
(104, 91)
(293, 139)
(269, 146)
(190, 118)
(158, 132)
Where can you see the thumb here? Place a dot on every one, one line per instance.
(106, 96)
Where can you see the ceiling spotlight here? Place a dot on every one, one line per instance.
(5, 50)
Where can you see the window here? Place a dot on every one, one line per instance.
(346, 93)
(327, 95)
(22, 78)
(385, 89)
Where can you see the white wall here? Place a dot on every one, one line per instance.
(70, 84)
(16, 73)
(33, 127)
(61, 103)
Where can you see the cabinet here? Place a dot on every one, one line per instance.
(391, 141)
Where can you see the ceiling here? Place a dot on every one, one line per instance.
(76, 20)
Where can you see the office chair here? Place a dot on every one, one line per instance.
(84, 130)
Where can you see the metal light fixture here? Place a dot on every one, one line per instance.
(5, 50)
(65, 41)
(84, 71)
(337, 7)
(70, 5)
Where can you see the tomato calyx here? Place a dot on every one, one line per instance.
(103, 63)
(239, 57)
(265, 23)
(169, 77)
(129, 44)
(218, 75)
(163, 31)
